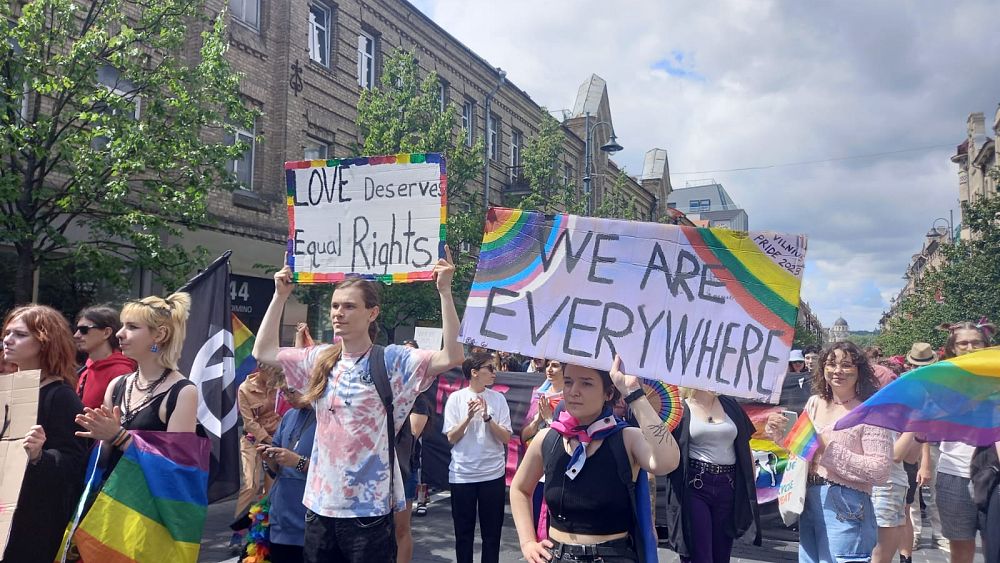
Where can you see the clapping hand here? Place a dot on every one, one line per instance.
(100, 423)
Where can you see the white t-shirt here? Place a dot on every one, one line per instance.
(897, 473)
(478, 456)
(956, 459)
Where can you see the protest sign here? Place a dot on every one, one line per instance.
(380, 217)
(704, 308)
(428, 337)
(19, 408)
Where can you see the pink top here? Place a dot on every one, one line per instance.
(855, 457)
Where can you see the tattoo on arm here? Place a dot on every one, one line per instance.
(659, 431)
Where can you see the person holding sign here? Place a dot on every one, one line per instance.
(352, 487)
(592, 510)
(838, 520)
(38, 337)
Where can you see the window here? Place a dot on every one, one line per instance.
(246, 12)
(317, 149)
(515, 152)
(319, 33)
(699, 205)
(442, 93)
(242, 168)
(671, 205)
(469, 121)
(366, 61)
(122, 99)
(568, 178)
(493, 137)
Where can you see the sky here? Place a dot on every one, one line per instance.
(746, 83)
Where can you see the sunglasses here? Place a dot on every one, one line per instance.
(84, 329)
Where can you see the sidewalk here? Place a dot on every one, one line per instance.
(434, 540)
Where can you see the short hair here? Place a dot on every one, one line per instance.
(170, 314)
(867, 384)
(104, 316)
(475, 361)
(57, 351)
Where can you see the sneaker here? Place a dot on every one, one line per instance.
(236, 544)
(943, 544)
(420, 510)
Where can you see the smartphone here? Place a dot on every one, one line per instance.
(792, 416)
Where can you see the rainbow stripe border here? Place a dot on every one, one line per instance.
(402, 158)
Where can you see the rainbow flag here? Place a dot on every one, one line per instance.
(802, 440)
(153, 506)
(957, 400)
(243, 341)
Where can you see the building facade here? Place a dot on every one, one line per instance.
(304, 65)
(708, 204)
(976, 157)
(839, 331)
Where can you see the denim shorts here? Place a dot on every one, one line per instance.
(890, 505)
(959, 516)
(837, 525)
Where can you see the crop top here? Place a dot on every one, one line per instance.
(596, 502)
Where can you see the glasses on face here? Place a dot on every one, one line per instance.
(841, 367)
(969, 344)
(489, 367)
(84, 329)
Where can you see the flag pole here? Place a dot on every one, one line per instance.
(207, 271)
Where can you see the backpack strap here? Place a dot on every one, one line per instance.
(380, 377)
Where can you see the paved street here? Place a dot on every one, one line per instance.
(434, 541)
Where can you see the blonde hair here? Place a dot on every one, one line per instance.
(169, 314)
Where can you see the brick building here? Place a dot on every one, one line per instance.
(304, 65)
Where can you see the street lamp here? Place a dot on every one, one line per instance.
(950, 226)
(501, 78)
(610, 147)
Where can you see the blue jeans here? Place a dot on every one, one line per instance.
(837, 525)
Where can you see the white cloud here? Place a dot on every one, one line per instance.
(768, 83)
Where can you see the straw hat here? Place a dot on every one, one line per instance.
(921, 354)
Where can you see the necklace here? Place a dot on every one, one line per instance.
(128, 413)
(708, 410)
(350, 372)
(845, 401)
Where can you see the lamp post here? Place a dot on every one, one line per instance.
(502, 77)
(611, 147)
(951, 227)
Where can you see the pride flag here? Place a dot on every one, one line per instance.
(153, 506)
(957, 400)
(243, 341)
(802, 440)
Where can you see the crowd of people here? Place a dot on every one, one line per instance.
(331, 435)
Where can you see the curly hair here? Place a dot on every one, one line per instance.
(866, 384)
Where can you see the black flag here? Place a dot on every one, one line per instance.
(208, 361)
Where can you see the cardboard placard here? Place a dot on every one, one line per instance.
(704, 308)
(19, 408)
(380, 217)
(428, 337)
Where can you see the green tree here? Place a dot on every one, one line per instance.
(404, 115)
(549, 192)
(84, 179)
(963, 288)
(616, 204)
(805, 337)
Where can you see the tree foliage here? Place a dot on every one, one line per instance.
(549, 191)
(404, 115)
(964, 288)
(83, 180)
(804, 337)
(617, 204)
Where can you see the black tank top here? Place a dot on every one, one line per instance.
(149, 417)
(596, 502)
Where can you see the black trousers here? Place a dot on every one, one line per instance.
(485, 499)
(349, 540)
(284, 553)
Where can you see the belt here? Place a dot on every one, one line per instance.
(814, 479)
(705, 467)
(621, 547)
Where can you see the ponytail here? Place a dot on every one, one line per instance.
(319, 376)
(171, 315)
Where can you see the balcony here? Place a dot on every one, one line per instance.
(517, 183)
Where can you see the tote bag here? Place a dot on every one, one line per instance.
(792, 492)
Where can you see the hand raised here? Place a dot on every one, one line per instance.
(624, 382)
(283, 284)
(444, 271)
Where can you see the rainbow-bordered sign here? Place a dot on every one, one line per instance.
(378, 217)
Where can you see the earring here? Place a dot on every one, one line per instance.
(154, 348)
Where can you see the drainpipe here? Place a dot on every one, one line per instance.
(486, 146)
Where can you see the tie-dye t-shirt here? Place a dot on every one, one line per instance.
(348, 470)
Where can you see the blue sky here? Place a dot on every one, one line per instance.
(750, 84)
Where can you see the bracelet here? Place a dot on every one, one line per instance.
(124, 438)
(634, 396)
(301, 465)
(114, 439)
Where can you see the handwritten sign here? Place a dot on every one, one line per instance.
(704, 308)
(19, 409)
(380, 217)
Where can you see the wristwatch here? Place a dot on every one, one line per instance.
(488, 418)
(634, 396)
